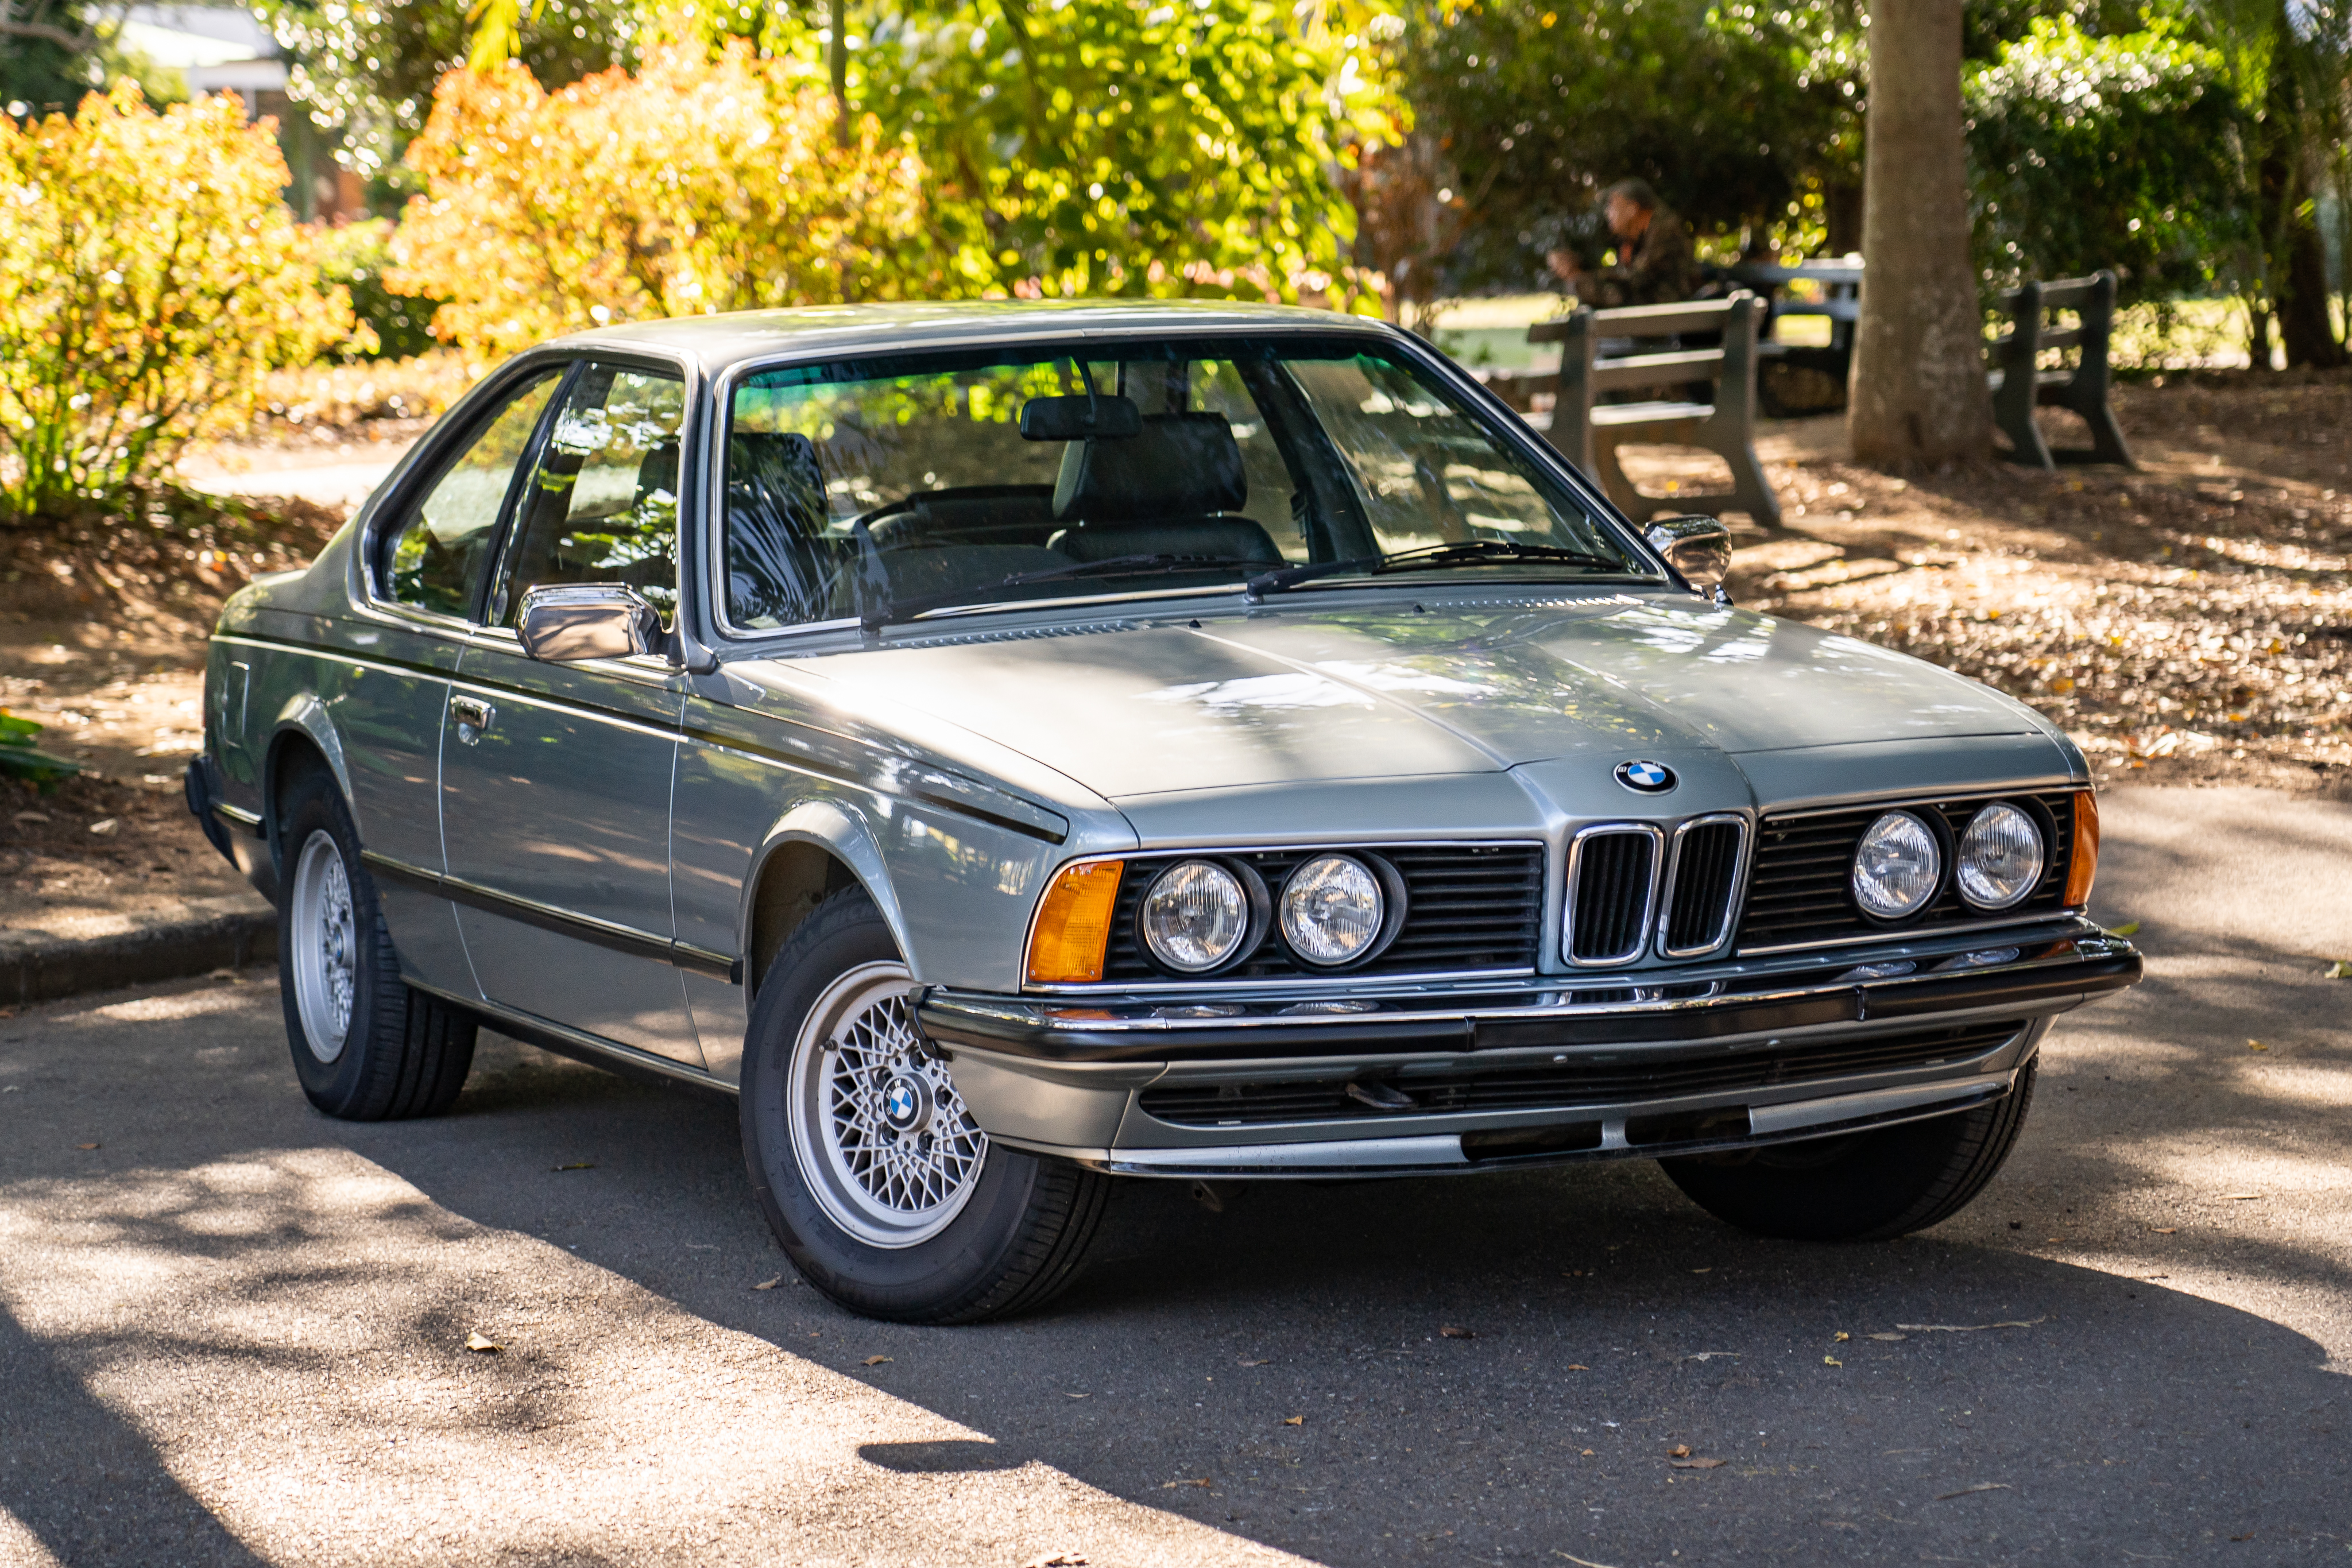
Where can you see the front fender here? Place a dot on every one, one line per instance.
(843, 832)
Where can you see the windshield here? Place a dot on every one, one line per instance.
(883, 489)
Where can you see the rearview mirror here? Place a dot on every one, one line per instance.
(565, 623)
(1106, 418)
(1699, 547)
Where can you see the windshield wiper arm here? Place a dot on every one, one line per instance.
(1466, 552)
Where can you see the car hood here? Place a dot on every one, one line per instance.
(1398, 688)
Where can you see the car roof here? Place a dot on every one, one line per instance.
(719, 342)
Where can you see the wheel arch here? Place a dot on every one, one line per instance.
(302, 735)
(815, 850)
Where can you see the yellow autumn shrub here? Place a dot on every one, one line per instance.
(149, 279)
(705, 181)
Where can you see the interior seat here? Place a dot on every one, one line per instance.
(1176, 487)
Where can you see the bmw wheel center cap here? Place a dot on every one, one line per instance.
(906, 1102)
(1645, 778)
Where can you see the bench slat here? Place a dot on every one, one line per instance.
(2059, 293)
(1656, 369)
(1619, 414)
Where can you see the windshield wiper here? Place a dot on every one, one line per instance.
(1117, 565)
(1467, 552)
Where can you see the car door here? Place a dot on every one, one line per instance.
(426, 580)
(556, 779)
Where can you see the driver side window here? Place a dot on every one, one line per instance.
(435, 559)
(601, 505)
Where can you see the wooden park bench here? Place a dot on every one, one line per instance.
(1593, 361)
(1794, 380)
(2019, 383)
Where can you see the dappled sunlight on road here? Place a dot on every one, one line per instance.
(288, 1329)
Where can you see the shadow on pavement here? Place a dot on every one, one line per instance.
(1282, 1370)
(84, 1482)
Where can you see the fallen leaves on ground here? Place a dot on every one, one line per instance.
(481, 1344)
(1202, 1481)
(1980, 1485)
(1698, 1464)
(1263, 1361)
(578, 1165)
(1294, 1420)
(1970, 1328)
(2256, 1045)
(877, 1361)
(1890, 1338)
(1057, 1560)
(1842, 1336)
(769, 1285)
(1578, 1366)
(2128, 928)
(1453, 1330)
(1580, 1562)
(1679, 1451)
(2163, 1230)
(2339, 971)
(1832, 1361)
(2182, 617)
(86, 1146)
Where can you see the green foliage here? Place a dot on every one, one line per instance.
(1125, 147)
(1736, 113)
(2104, 151)
(22, 757)
(354, 258)
(371, 68)
(150, 277)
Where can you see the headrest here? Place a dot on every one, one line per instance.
(1177, 466)
(657, 471)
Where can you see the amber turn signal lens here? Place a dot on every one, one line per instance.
(1074, 924)
(2086, 863)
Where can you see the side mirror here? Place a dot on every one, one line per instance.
(565, 623)
(1699, 547)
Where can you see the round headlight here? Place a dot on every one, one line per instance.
(1195, 916)
(1896, 866)
(1331, 909)
(2001, 857)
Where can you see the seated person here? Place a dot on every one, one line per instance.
(1656, 265)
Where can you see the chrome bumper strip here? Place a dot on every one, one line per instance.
(2049, 968)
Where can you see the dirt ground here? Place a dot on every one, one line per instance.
(2189, 621)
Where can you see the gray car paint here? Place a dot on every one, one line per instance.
(954, 764)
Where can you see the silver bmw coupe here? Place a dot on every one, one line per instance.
(1014, 747)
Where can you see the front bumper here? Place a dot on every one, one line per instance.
(1534, 1067)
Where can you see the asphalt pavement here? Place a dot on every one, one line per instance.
(235, 1332)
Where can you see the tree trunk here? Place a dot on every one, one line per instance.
(1920, 393)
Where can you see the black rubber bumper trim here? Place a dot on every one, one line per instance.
(951, 1025)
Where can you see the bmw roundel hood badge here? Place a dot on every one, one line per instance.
(1646, 777)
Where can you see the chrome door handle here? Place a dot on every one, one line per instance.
(473, 716)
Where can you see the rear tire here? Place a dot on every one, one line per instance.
(885, 1195)
(1864, 1187)
(366, 1047)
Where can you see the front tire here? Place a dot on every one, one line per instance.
(884, 1193)
(366, 1047)
(1864, 1187)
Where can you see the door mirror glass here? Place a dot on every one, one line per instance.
(1699, 547)
(434, 559)
(563, 624)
